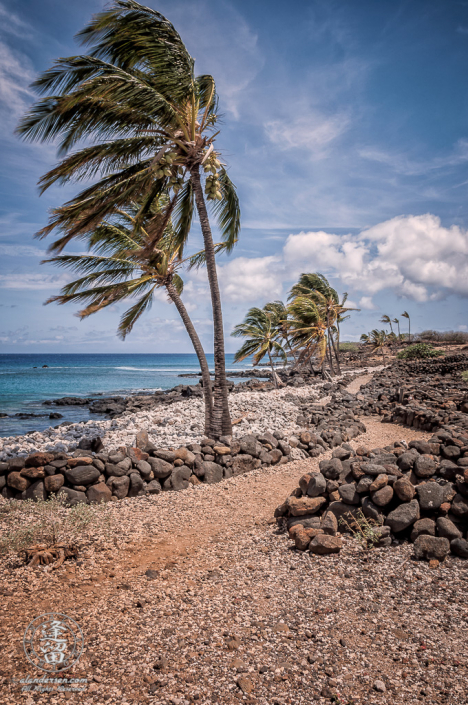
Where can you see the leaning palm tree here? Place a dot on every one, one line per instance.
(279, 316)
(387, 319)
(317, 287)
(259, 329)
(378, 340)
(396, 320)
(119, 266)
(149, 125)
(308, 330)
(405, 314)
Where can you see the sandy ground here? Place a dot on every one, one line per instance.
(229, 612)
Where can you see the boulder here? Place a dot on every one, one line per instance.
(115, 470)
(364, 484)
(329, 524)
(82, 475)
(447, 529)
(379, 482)
(145, 470)
(17, 481)
(308, 521)
(406, 461)
(212, 472)
(431, 548)
(403, 516)
(136, 454)
(161, 468)
(136, 484)
(36, 491)
(141, 440)
(72, 497)
(168, 455)
(153, 487)
(186, 455)
(317, 485)
(275, 455)
(250, 446)
(348, 494)
(423, 526)
(404, 489)
(98, 493)
(383, 496)
(323, 544)
(179, 479)
(33, 473)
(459, 547)
(430, 496)
(16, 464)
(371, 510)
(299, 506)
(120, 486)
(37, 460)
(450, 452)
(53, 483)
(303, 536)
(372, 468)
(81, 460)
(331, 469)
(460, 506)
(425, 466)
(243, 463)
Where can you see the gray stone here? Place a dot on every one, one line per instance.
(141, 440)
(348, 494)
(168, 455)
(317, 485)
(372, 468)
(213, 472)
(243, 463)
(450, 452)
(186, 455)
(459, 547)
(98, 493)
(178, 480)
(284, 447)
(340, 509)
(447, 469)
(115, 470)
(383, 496)
(53, 483)
(72, 497)
(406, 461)
(145, 470)
(460, 506)
(265, 457)
(250, 445)
(423, 526)
(371, 511)
(341, 453)
(160, 467)
(329, 524)
(268, 438)
(82, 475)
(324, 544)
(331, 469)
(153, 487)
(364, 484)
(136, 484)
(425, 466)
(36, 491)
(403, 516)
(430, 496)
(447, 529)
(431, 547)
(120, 486)
(308, 521)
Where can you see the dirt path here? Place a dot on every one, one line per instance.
(189, 539)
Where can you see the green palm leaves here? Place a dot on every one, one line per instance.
(377, 339)
(260, 328)
(405, 314)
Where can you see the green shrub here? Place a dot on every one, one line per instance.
(419, 351)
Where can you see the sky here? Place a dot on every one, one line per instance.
(345, 128)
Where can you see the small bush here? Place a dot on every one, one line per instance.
(24, 523)
(419, 351)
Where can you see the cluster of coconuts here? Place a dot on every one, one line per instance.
(212, 186)
(166, 168)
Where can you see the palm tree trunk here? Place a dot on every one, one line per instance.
(409, 329)
(206, 378)
(335, 350)
(274, 375)
(221, 421)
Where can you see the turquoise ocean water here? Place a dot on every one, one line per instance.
(25, 384)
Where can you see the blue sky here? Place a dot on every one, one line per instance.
(345, 125)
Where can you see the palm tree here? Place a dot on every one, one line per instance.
(119, 267)
(279, 316)
(318, 288)
(405, 314)
(308, 330)
(259, 328)
(387, 319)
(149, 122)
(396, 320)
(378, 339)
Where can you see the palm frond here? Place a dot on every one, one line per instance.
(131, 316)
(227, 211)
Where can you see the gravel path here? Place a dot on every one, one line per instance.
(230, 613)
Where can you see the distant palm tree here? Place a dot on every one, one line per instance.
(387, 319)
(122, 267)
(395, 320)
(378, 340)
(261, 332)
(148, 122)
(405, 314)
(308, 330)
(317, 287)
(279, 316)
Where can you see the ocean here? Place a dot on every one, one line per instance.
(25, 383)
